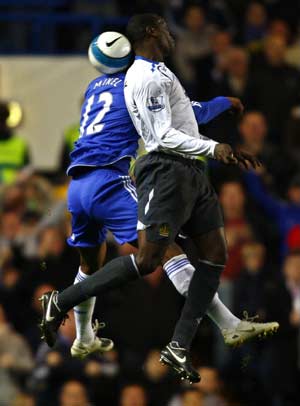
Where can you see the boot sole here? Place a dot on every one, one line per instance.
(179, 370)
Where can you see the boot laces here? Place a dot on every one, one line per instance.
(97, 326)
(249, 319)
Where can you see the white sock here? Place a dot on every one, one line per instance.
(221, 315)
(180, 272)
(83, 315)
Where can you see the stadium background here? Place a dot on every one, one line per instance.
(245, 49)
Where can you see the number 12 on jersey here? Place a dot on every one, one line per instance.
(91, 121)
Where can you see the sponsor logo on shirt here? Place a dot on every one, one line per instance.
(155, 104)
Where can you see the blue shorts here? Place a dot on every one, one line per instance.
(99, 200)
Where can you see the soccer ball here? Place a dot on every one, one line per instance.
(110, 52)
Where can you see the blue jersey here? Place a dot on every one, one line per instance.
(107, 134)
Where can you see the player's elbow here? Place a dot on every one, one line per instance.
(166, 140)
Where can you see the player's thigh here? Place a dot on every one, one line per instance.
(85, 231)
(206, 225)
(121, 215)
(207, 214)
(164, 199)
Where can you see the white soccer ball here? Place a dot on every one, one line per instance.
(110, 52)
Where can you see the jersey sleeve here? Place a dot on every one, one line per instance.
(256, 188)
(207, 111)
(153, 105)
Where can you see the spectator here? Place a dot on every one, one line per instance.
(235, 81)
(238, 230)
(54, 256)
(192, 44)
(210, 69)
(292, 275)
(24, 399)
(14, 153)
(15, 361)
(282, 299)
(159, 382)
(210, 386)
(253, 131)
(292, 136)
(102, 375)
(272, 77)
(219, 13)
(292, 56)
(255, 25)
(280, 28)
(73, 393)
(10, 226)
(13, 198)
(286, 214)
(55, 365)
(249, 287)
(133, 395)
(38, 193)
(193, 397)
(10, 293)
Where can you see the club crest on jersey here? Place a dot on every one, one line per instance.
(164, 230)
(155, 103)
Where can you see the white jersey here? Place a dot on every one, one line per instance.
(161, 111)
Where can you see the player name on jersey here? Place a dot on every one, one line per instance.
(108, 81)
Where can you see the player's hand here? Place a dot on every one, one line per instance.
(224, 153)
(246, 160)
(236, 105)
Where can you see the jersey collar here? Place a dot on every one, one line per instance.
(146, 59)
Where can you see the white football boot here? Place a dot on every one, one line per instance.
(99, 345)
(247, 329)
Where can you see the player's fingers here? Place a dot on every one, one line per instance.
(243, 164)
(253, 160)
(231, 159)
(242, 161)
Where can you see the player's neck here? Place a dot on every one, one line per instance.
(153, 53)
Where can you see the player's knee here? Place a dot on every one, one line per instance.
(218, 255)
(147, 265)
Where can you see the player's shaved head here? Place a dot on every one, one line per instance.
(150, 36)
(139, 26)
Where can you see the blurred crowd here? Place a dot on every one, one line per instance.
(249, 50)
